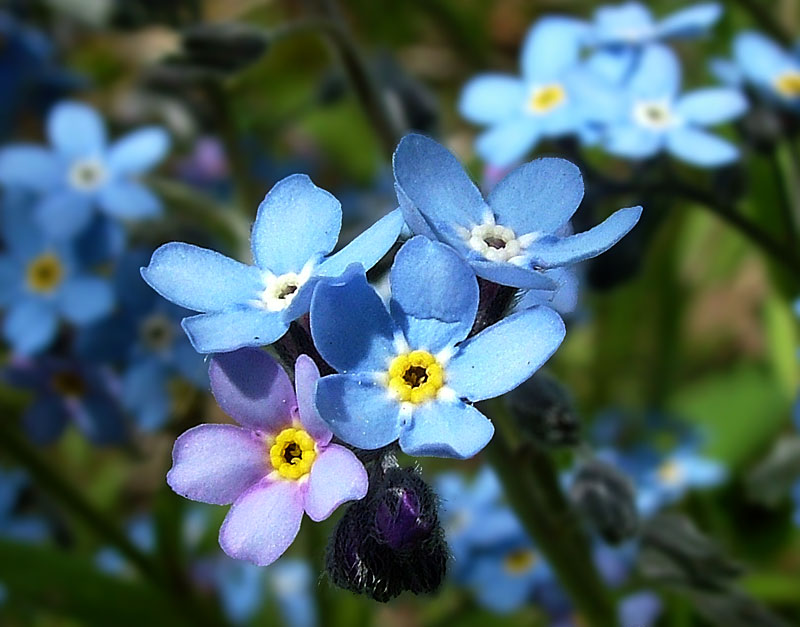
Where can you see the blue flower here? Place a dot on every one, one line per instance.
(297, 225)
(404, 372)
(41, 282)
(292, 581)
(82, 171)
(632, 24)
(546, 102)
(518, 230)
(772, 70)
(66, 391)
(653, 117)
(144, 337)
(18, 527)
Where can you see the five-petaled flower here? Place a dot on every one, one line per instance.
(297, 225)
(770, 69)
(82, 170)
(405, 372)
(277, 464)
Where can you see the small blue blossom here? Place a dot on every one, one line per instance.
(769, 68)
(632, 24)
(545, 102)
(405, 372)
(519, 230)
(653, 117)
(14, 526)
(297, 225)
(42, 282)
(82, 171)
(292, 581)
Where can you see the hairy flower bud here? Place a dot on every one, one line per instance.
(391, 541)
(543, 409)
(607, 500)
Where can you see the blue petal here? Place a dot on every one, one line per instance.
(538, 197)
(84, 300)
(439, 429)
(76, 130)
(138, 151)
(296, 222)
(358, 410)
(201, 279)
(490, 98)
(506, 354)
(701, 148)
(63, 214)
(366, 249)
(726, 72)
(436, 184)
(414, 219)
(144, 393)
(11, 277)
(32, 167)
(226, 331)
(434, 294)
(691, 21)
(761, 59)
(633, 142)
(565, 297)
(23, 239)
(128, 200)
(628, 23)
(551, 46)
(612, 65)
(641, 609)
(712, 105)
(511, 275)
(190, 365)
(101, 420)
(45, 420)
(30, 326)
(658, 76)
(508, 142)
(351, 328)
(555, 252)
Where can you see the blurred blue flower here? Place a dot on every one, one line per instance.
(292, 582)
(297, 225)
(81, 171)
(145, 339)
(406, 372)
(519, 230)
(796, 500)
(653, 117)
(15, 526)
(42, 282)
(772, 70)
(632, 24)
(546, 102)
(64, 391)
(641, 609)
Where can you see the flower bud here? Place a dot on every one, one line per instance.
(543, 409)
(607, 500)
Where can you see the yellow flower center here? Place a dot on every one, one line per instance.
(293, 453)
(415, 377)
(546, 98)
(69, 384)
(670, 472)
(519, 561)
(788, 84)
(44, 273)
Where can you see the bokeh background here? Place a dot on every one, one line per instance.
(685, 319)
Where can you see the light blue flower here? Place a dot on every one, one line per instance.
(772, 70)
(42, 282)
(297, 225)
(545, 102)
(292, 582)
(405, 372)
(632, 24)
(82, 171)
(518, 230)
(653, 117)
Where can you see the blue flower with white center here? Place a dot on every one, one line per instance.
(773, 71)
(144, 337)
(82, 171)
(407, 372)
(632, 24)
(297, 225)
(42, 282)
(547, 101)
(653, 117)
(518, 230)
(676, 474)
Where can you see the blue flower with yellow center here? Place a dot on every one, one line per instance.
(773, 71)
(409, 372)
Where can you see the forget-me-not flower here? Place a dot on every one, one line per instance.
(653, 116)
(297, 225)
(42, 282)
(405, 372)
(518, 230)
(279, 463)
(82, 171)
(772, 70)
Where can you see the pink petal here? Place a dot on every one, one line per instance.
(337, 476)
(306, 375)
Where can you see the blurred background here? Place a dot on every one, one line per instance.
(684, 340)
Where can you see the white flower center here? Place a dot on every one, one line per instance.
(495, 242)
(654, 114)
(87, 174)
(280, 290)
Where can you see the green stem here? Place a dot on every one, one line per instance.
(785, 195)
(532, 487)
